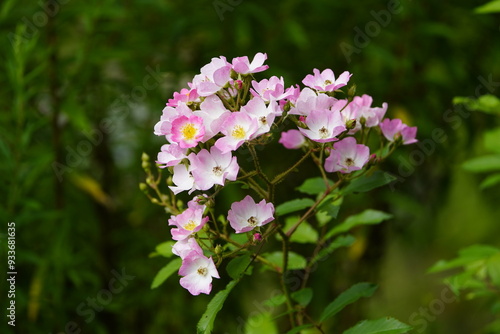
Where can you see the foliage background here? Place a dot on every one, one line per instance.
(69, 73)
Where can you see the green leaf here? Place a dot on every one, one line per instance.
(465, 257)
(165, 248)
(314, 186)
(486, 163)
(492, 140)
(237, 266)
(381, 326)
(275, 301)
(348, 297)
(485, 103)
(294, 205)
(367, 217)
(206, 323)
(299, 329)
(304, 232)
(493, 266)
(302, 296)
(329, 208)
(295, 261)
(261, 323)
(489, 7)
(490, 181)
(341, 241)
(166, 272)
(367, 183)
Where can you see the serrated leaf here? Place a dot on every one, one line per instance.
(165, 248)
(206, 323)
(381, 326)
(313, 186)
(261, 323)
(367, 217)
(367, 183)
(347, 297)
(341, 241)
(488, 8)
(294, 205)
(236, 267)
(166, 272)
(295, 261)
(304, 232)
(485, 163)
(302, 296)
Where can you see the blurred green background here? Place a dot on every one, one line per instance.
(84, 82)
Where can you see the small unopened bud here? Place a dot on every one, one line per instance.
(145, 164)
(234, 75)
(257, 237)
(238, 84)
(150, 180)
(218, 249)
(154, 200)
(350, 124)
(143, 186)
(362, 121)
(145, 157)
(372, 161)
(351, 92)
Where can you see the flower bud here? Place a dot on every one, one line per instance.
(145, 164)
(218, 250)
(145, 157)
(257, 237)
(350, 124)
(143, 186)
(351, 92)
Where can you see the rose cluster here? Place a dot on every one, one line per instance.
(223, 108)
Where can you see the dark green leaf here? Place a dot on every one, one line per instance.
(341, 241)
(303, 234)
(166, 272)
(490, 181)
(206, 323)
(488, 8)
(299, 329)
(295, 261)
(329, 208)
(367, 217)
(303, 296)
(492, 140)
(348, 297)
(381, 326)
(294, 205)
(367, 183)
(236, 267)
(314, 186)
(485, 163)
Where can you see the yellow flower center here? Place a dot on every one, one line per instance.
(190, 225)
(252, 221)
(188, 131)
(238, 132)
(349, 162)
(328, 82)
(202, 271)
(323, 133)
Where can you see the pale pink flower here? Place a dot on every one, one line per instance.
(292, 139)
(323, 125)
(372, 115)
(182, 179)
(184, 96)
(185, 246)
(395, 129)
(243, 66)
(237, 128)
(188, 222)
(245, 215)
(272, 89)
(187, 131)
(262, 113)
(309, 100)
(347, 156)
(169, 114)
(198, 271)
(213, 77)
(171, 155)
(213, 113)
(214, 167)
(325, 81)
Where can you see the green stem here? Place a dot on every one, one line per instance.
(284, 286)
(278, 178)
